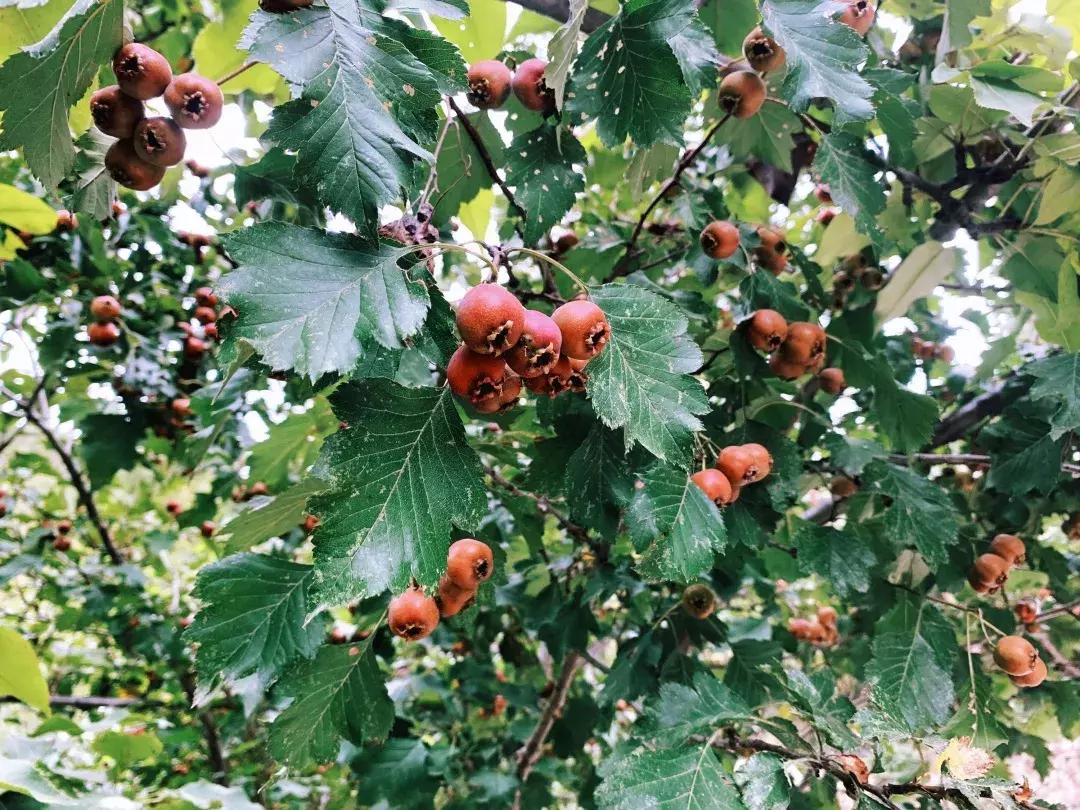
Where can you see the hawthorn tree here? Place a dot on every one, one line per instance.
(666, 404)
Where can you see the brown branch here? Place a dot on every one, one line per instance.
(1061, 661)
(210, 733)
(1060, 610)
(560, 10)
(542, 504)
(240, 70)
(485, 158)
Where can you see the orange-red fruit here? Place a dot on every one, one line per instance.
(125, 166)
(767, 330)
(453, 599)
(786, 369)
(858, 16)
(413, 615)
(61, 543)
(63, 526)
(66, 221)
(578, 377)
(208, 528)
(181, 406)
(699, 600)
(772, 252)
(719, 239)
(508, 397)
(114, 112)
(103, 334)
(1033, 678)
(105, 308)
(194, 101)
(1010, 548)
(827, 616)
(989, 571)
(1026, 612)
(714, 484)
(489, 84)
(760, 460)
(560, 379)
(744, 464)
(469, 563)
(477, 378)
(843, 487)
(762, 52)
(1015, 655)
(531, 89)
(194, 348)
(205, 315)
(490, 319)
(805, 343)
(584, 327)
(742, 93)
(205, 297)
(172, 507)
(141, 71)
(538, 348)
(160, 141)
(832, 380)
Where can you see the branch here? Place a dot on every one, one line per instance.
(210, 734)
(1061, 661)
(963, 419)
(485, 158)
(560, 10)
(542, 503)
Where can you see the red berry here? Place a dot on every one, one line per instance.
(1015, 655)
(114, 112)
(832, 380)
(805, 343)
(160, 141)
(719, 240)
(531, 89)
(141, 71)
(584, 327)
(207, 528)
(413, 615)
(453, 599)
(205, 297)
(125, 166)
(469, 563)
(103, 334)
(762, 52)
(194, 348)
(858, 16)
(490, 319)
(767, 330)
(538, 348)
(477, 378)
(1033, 678)
(205, 315)
(1010, 548)
(715, 485)
(742, 93)
(194, 101)
(66, 221)
(507, 399)
(489, 84)
(772, 253)
(105, 308)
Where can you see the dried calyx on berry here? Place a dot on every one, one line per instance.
(141, 72)
(538, 348)
(114, 112)
(125, 166)
(584, 327)
(490, 319)
(744, 463)
(858, 15)
(489, 84)
(772, 252)
(194, 101)
(719, 240)
(477, 378)
(413, 615)
(699, 600)
(160, 141)
(742, 93)
(766, 330)
(762, 52)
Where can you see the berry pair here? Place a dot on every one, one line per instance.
(854, 270)
(147, 146)
(720, 240)
(414, 615)
(736, 466)
(505, 344)
(928, 350)
(490, 83)
(990, 570)
(104, 331)
(1019, 659)
(821, 630)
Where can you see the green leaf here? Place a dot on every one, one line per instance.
(60, 68)
(252, 620)
(763, 783)
(562, 48)
(911, 665)
(1059, 379)
(749, 672)
(766, 135)
(823, 57)
(94, 191)
(461, 171)
(291, 445)
(20, 673)
(629, 78)
(681, 711)
(906, 418)
(23, 24)
(959, 15)
(852, 455)
(401, 476)
(482, 34)
(127, 748)
(307, 298)
(1031, 462)
(677, 528)
(339, 693)
(216, 53)
(267, 518)
(109, 443)
(272, 177)
(540, 167)
(919, 273)
(920, 515)
(851, 180)
(639, 382)
(596, 480)
(1057, 318)
(687, 778)
(31, 778)
(840, 558)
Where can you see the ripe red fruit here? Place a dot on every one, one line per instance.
(832, 380)
(772, 252)
(194, 101)
(63, 526)
(211, 331)
(531, 89)
(105, 308)
(584, 327)
(66, 221)
(944, 353)
(760, 461)
(1015, 655)
(714, 484)
(578, 377)
(160, 141)
(988, 573)
(538, 348)
(477, 378)
(557, 381)
(490, 319)
(453, 599)
(743, 464)
(858, 16)
(103, 334)
(181, 406)
(762, 52)
(469, 563)
(742, 93)
(1033, 678)
(825, 216)
(258, 488)
(786, 369)
(823, 193)
(114, 112)
(205, 315)
(194, 348)
(767, 330)
(1026, 612)
(489, 84)
(141, 72)
(310, 523)
(205, 297)
(413, 615)
(172, 507)
(843, 487)
(719, 240)
(61, 543)
(282, 6)
(125, 166)
(207, 528)
(507, 399)
(699, 600)
(1010, 548)
(827, 616)
(805, 343)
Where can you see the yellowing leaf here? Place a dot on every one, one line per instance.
(25, 212)
(962, 760)
(476, 214)
(480, 35)
(20, 674)
(925, 267)
(839, 240)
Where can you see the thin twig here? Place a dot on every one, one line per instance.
(433, 175)
(242, 69)
(485, 157)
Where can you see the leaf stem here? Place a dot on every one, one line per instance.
(242, 69)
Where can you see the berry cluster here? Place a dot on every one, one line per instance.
(928, 350)
(207, 314)
(148, 146)
(61, 534)
(490, 83)
(796, 348)
(736, 466)
(504, 345)
(990, 570)
(820, 631)
(1019, 659)
(414, 615)
(854, 270)
(104, 331)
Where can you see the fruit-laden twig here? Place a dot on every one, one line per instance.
(83, 490)
(622, 267)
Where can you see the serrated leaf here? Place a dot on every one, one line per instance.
(22, 211)
(306, 298)
(918, 274)
(272, 177)
(678, 530)
(1057, 318)
(252, 620)
(920, 515)
(639, 382)
(681, 711)
(763, 783)
(629, 78)
(60, 68)
(269, 517)
(481, 34)
(540, 167)
(109, 443)
(597, 475)
(840, 558)
(687, 778)
(339, 693)
(841, 164)
(1031, 462)
(823, 56)
(94, 191)
(291, 445)
(911, 664)
(20, 673)
(766, 135)
(126, 749)
(1059, 379)
(31, 778)
(400, 477)
(562, 49)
